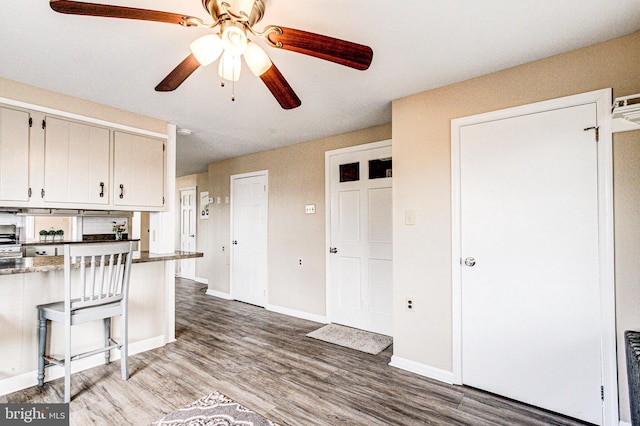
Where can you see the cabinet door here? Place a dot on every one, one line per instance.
(138, 171)
(76, 163)
(14, 155)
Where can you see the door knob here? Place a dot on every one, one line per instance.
(469, 261)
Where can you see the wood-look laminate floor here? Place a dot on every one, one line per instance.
(264, 361)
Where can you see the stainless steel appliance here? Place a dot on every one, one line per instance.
(43, 250)
(9, 242)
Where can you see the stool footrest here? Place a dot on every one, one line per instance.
(97, 351)
(55, 361)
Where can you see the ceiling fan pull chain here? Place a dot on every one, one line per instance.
(233, 83)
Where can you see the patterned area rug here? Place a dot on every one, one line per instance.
(353, 338)
(214, 410)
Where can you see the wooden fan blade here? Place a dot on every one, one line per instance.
(278, 86)
(179, 74)
(108, 11)
(331, 49)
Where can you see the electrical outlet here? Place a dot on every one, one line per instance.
(300, 262)
(409, 304)
(310, 209)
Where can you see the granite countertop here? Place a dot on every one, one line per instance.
(57, 243)
(56, 263)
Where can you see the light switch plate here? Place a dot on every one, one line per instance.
(409, 217)
(310, 209)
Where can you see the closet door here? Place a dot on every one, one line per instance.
(531, 325)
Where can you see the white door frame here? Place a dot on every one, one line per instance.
(327, 210)
(195, 237)
(264, 173)
(603, 100)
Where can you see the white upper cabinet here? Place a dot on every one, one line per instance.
(77, 159)
(138, 171)
(14, 155)
(54, 162)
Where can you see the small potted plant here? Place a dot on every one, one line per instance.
(51, 235)
(119, 228)
(59, 235)
(43, 235)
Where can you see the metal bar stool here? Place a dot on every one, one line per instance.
(103, 278)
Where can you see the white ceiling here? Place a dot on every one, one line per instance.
(418, 45)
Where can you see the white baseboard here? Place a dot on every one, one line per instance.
(298, 314)
(221, 295)
(201, 280)
(422, 369)
(624, 423)
(29, 379)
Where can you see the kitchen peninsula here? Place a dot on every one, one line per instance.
(68, 157)
(28, 282)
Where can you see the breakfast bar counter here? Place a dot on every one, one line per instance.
(31, 281)
(56, 263)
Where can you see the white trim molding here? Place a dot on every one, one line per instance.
(422, 369)
(201, 280)
(218, 294)
(298, 314)
(602, 99)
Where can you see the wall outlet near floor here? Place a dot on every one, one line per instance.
(409, 304)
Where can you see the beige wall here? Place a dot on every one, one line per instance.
(421, 154)
(626, 177)
(34, 95)
(296, 178)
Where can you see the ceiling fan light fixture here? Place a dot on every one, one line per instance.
(257, 59)
(207, 48)
(234, 40)
(253, 10)
(229, 68)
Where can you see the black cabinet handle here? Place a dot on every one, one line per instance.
(121, 191)
(101, 189)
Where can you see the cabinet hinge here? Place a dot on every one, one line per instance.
(162, 147)
(602, 393)
(163, 201)
(30, 121)
(44, 124)
(597, 129)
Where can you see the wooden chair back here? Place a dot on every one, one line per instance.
(103, 276)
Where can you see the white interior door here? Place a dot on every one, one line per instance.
(188, 231)
(249, 198)
(531, 324)
(360, 286)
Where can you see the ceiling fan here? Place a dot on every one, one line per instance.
(236, 20)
